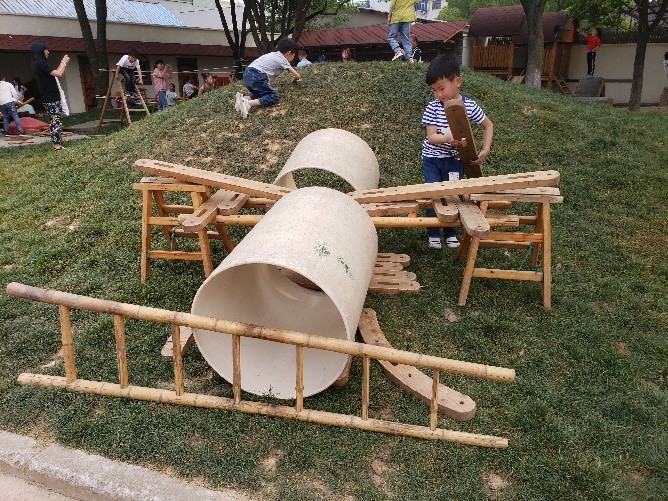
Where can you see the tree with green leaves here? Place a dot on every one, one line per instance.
(96, 49)
(268, 21)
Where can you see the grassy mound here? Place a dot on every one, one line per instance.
(587, 417)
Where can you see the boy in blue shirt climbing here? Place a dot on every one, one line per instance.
(440, 159)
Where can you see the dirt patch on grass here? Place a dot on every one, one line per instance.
(494, 484)
(268, 464)
(621, 347)
(379, 469)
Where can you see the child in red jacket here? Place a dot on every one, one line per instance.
(593, 43)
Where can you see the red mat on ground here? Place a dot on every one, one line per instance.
(28, 124)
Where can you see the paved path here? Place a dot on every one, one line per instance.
(30, 471)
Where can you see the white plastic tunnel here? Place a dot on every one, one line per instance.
(337, 151)
(318, 233)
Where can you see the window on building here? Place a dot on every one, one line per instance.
(436, 5)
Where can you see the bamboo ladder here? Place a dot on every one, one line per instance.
(125, 110)
(179, 396)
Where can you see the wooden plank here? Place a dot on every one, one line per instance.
(472, 219)
(227, 202)
(186, 337)
(404, 259)
(461, 187)
(538, 195)
(386, 285)
(453, 404)
(445, 209)
(533, 276)
(400, 276)
(390, 209)
(167, 184)
(214, 179)
(459, 124)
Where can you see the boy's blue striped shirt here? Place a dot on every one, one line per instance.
(434, 114)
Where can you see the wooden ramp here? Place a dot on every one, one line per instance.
(453, 404)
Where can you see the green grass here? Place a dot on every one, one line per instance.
(587, 417)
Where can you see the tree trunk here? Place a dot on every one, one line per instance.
(638, 70)
(89, 42)
(533, 11)
(645, 28)
(101, 68)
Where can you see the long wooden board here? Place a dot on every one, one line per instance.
(461, 187)
(214, 179)
(459, 124)
(453, 404)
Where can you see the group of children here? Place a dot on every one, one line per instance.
(165, 91)
(440, 159)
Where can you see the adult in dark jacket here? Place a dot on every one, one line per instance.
(48, 88)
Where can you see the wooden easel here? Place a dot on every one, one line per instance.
(125, 110)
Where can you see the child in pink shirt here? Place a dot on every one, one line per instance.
(161, 77)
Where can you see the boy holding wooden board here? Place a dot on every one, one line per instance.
(441, 159)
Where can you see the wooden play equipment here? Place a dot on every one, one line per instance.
(500, 39)
(333, 150)
(336, 254)
(396, 207)
(238, 330)
(460, 127)
(154, 190)
(453, 404)
(538, 241)
(125, 110)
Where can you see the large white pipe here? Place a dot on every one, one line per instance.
(337, 151)
(316, 232)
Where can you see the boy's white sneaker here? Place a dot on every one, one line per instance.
(245, 108)
(238, 99)
(452, 242)
(435, 243)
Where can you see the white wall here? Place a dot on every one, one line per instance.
(615, 62)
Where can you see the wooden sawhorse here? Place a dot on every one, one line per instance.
(540, 239)
(153, 194)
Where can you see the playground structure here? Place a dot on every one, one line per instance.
(277, 318)
(500, 39)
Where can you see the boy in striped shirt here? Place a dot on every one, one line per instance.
(440, 159)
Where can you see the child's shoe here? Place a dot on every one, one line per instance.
(398, 54)
(245, 108)
(452, 242)
(435, 243)
(238, 100)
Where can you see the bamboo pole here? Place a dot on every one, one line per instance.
(236, 368)
(264, 409)
(178, 361)
(121, 354)
(261, 332)
(68, 343)
(299, 386)
(433, 417)
(365, 388)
